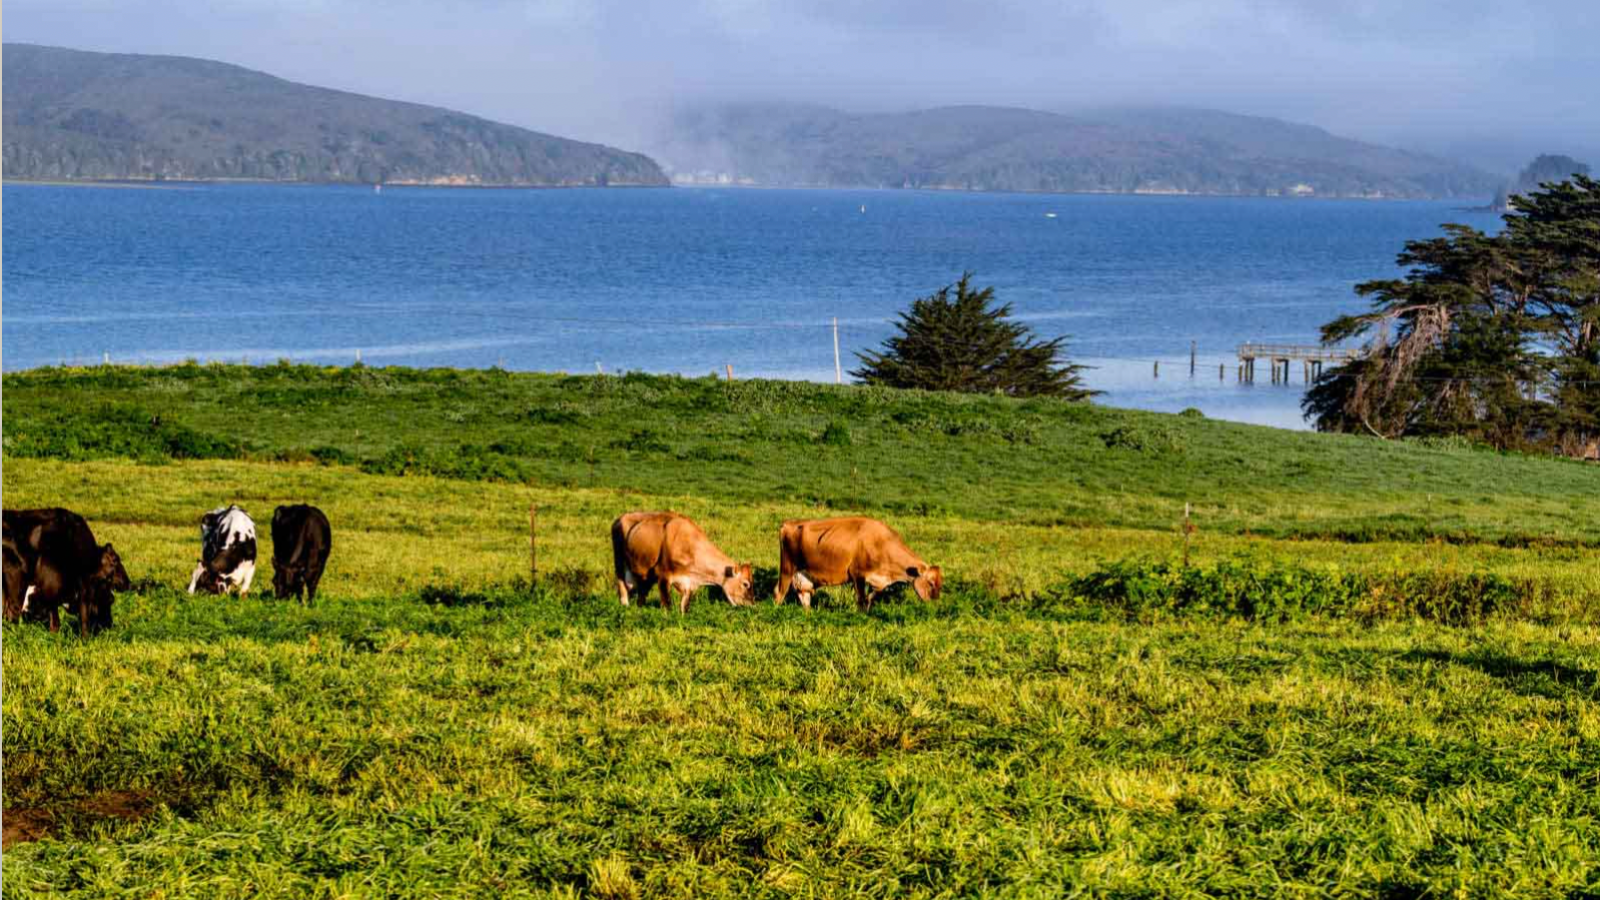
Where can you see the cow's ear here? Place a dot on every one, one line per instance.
(914, 572)
(728, 572)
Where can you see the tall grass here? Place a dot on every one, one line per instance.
(546, 745)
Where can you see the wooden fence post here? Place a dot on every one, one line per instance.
(533, 542)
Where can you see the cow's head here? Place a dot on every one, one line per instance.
(286, 578)
(736, 584)
(111, 572)
(97, 599)
(927, 582)
(210, 582)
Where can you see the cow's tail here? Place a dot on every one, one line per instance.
(619, 552)
(788, 565)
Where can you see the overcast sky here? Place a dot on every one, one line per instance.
(1490, 82)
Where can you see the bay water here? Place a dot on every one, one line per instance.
(685, 280)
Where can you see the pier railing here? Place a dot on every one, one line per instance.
(1311, 357)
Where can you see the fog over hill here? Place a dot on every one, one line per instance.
(990, 148)
(70, 114)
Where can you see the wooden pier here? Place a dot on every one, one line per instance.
(1310, 356)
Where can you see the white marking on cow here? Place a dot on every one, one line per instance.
(236, 525)
(249, 570)
(194, 580)
(27, 599)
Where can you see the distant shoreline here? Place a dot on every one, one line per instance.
(190, 183)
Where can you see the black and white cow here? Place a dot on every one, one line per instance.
(301, 542)
(227, 552)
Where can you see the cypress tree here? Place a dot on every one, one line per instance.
(958, 339)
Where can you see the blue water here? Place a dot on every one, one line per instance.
(682, 280)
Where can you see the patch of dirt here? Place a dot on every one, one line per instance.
(32, 824)
(24, 825)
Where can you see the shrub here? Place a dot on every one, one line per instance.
(111, 431)
(1143, 438)
(837, 434)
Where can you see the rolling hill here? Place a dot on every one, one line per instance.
(985, 148)
(74, 115)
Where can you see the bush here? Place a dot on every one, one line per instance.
(1143, 438)
(837, 434)
(111, 431)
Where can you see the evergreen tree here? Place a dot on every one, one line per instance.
(957, 340)
(1493, 338)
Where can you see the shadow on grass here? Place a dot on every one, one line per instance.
(1529, 677)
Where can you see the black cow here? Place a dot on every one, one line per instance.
(58, 562)
(301, 542)
(17, 576)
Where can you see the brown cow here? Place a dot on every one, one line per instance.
(854, 550)
(669, 549)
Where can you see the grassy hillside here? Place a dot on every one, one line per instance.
(1038, 463)
(990, 148)
(438, 727)
(71, 114)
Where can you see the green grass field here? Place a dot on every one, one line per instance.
(436, 726)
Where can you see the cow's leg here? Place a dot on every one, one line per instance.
(785, 578)
(311, 588)
(863, 602)
(249, 570)
(55, 619)
(685, 590)
(803, 587)
(194, 580)
(626, 583)
(83, 614)
(665, 598)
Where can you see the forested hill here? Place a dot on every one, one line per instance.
(70, 114)
(1006, 149)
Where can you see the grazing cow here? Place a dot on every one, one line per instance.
(17, 578)
(301, 542)
(58, 562)
(227, 552)
(665, 548)
(854, 550)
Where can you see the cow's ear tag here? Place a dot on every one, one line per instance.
(912, 571)
(728, 572)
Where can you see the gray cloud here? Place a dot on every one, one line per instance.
(1492, 81)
